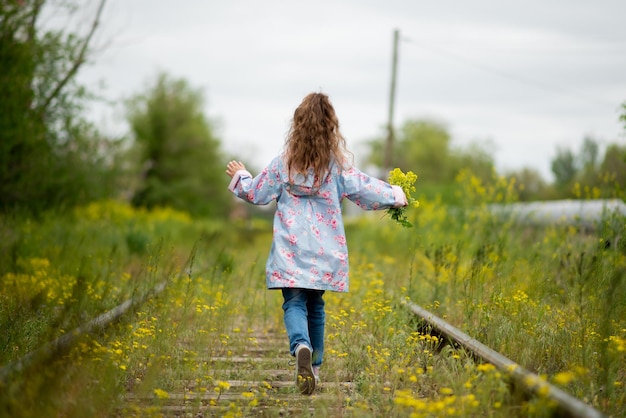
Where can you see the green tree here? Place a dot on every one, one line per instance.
(588, 161)
(604, 176)
(49, 153)
(529, 184)
(613, 169)
(564, 167)
(183, 165)
(475, 157)
(424, 146)
(589, 154)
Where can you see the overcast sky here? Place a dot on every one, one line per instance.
(528, 76)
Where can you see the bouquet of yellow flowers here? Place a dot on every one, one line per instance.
(407, 182)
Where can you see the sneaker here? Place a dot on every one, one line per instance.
(316, 373)
(305, 379)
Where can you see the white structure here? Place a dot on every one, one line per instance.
(567, 212)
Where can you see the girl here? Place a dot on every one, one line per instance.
(309, 256)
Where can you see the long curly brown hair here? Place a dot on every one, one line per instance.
(314, 139)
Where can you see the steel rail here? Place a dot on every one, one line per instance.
(567, 405)
(64, 342)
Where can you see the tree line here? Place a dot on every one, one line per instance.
(52, 156)
(426, 147)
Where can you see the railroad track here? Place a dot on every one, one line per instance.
(524, 380)
(64, 343)
(253, 375)
(255, 380)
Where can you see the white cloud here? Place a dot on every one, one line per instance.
(528, 75)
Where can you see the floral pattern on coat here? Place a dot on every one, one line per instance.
(309, 248)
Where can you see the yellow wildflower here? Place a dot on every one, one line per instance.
(161, 394)
(563, 378)
(406, 182)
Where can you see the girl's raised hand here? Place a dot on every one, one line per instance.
(233, 166)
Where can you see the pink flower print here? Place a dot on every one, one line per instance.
(276, 276)
(320, 252)
(315, 231)
(325, 194)
(289, 255)
(328, 277)
(333, 223)
(293, 239)
(341, 239)
(338, 285)
(292, 282)
(289, 222)
(342, 257)
(250, 195)
(314, 271)
(319, 217)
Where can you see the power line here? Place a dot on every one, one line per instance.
(505, 74)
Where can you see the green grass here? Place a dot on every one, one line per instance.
(550, 299)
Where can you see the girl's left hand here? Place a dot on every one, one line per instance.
(234, 166)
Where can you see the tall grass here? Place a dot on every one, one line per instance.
(551, 299)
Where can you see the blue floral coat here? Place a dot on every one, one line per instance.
(309, 243)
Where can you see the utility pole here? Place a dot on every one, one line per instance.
(388, 160)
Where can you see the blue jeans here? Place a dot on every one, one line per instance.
(304, 320)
